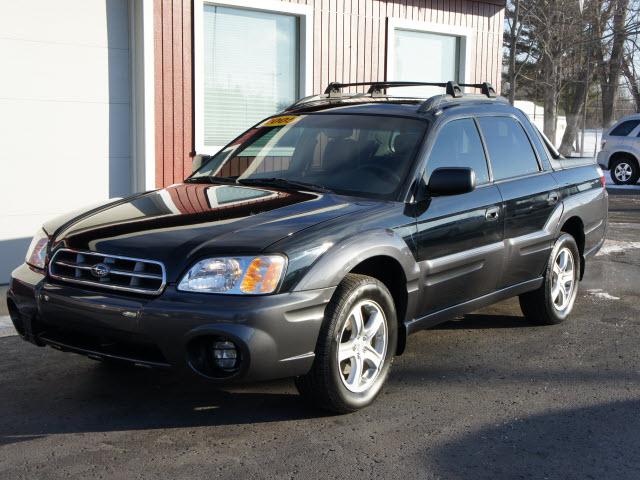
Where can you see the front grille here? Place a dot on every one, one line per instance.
(108, 271)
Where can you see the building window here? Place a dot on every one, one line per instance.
(249, 64)
(441, 51)
(419, 51)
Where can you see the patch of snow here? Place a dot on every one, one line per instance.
(6, 327)
(617, 246)
(603, 295)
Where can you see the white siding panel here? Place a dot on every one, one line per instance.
(64, 113)
(63, 72)
(98, 23)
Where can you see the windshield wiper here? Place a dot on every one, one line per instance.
(210, 179)
(283, 183)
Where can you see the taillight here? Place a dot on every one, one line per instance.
(604, 142)
(603, 181)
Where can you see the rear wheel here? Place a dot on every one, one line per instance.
(553, 301)
(355, 347)
(625, 171)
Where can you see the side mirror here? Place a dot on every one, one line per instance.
(452, 181)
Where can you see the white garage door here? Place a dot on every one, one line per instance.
(64, 113)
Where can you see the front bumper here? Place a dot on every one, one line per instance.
(275, 334)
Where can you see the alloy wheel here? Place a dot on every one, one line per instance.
(362, 346)
(563, 280)
(623, 172)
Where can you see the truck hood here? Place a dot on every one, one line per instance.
(188, 221)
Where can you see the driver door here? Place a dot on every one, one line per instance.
(459, 238)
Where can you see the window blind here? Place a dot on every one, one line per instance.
(251, 69)
(428, 57)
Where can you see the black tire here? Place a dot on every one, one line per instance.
(538, 306)
(324, 386)
(623, 166)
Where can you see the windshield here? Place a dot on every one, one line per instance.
(360, 155)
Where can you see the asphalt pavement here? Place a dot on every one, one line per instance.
(485, 396)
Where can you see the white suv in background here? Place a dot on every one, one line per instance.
(620, 150)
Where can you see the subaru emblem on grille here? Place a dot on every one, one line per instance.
(100, 270)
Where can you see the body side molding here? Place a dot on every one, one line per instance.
(440, 316)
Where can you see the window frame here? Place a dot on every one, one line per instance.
(304, 13)
(465, 37)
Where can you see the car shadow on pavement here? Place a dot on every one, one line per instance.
(598, 442)
(66, 393)
(479, 321)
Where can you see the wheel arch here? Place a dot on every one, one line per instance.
(574, 226)
(381, 254)
(388, 270)
(633, 156)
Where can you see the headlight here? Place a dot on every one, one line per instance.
(38, 250)
(235, 275)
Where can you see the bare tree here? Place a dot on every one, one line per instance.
(631, 58)
(611, 65)
(557, 54)
(579, 81)
(558, 24)
(632, 75)
(519, 45)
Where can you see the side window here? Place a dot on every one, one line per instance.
(625, 128)
(510, 151)
(458, 145)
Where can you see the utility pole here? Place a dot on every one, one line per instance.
(513, 51)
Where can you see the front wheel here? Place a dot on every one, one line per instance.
(355, 347)
(553, 301)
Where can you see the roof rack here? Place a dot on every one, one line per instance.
(334, 89)
(377, 89)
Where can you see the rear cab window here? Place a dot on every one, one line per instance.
(510, 151)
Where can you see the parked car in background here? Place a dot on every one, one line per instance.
(317, 241)
(620, 150)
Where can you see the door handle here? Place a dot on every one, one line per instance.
(553, 198)
(492, 213)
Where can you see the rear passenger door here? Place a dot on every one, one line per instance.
(530, 198)
(459, 237)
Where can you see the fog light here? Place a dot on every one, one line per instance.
(225, 355)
